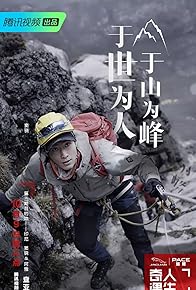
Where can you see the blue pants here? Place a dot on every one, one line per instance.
(87, 223)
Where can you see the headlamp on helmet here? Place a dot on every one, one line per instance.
(51, 125)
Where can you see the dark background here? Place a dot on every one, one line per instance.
(86, 31)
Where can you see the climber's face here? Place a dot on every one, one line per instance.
(64, 154)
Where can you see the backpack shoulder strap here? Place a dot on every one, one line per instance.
(97, 162)
(41, 169)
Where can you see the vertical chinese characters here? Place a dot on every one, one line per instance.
(120, 71)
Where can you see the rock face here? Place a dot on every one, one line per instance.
(56, 52)
(91, 71)
(45, 232)
(40, 240)
(33, 82)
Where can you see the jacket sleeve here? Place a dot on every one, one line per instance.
(27, 180)
(118, 161)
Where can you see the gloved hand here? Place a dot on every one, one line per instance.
(150, 187)
(5, 203)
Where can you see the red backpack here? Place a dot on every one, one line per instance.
(96, 127)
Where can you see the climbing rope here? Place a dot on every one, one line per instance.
(165, 203)
(166, 235)
(188, 199)
(121, 216)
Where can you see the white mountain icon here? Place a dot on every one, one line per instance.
(145, 31)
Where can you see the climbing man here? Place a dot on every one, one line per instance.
(91, 170)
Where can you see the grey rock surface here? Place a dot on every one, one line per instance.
(40, 241)
(91, 71)
(33, 83)
(35, 45)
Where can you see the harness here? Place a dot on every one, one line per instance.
(162, 204)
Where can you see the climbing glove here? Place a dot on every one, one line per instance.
(150, 187)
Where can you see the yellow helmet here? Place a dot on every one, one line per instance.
(50, 126)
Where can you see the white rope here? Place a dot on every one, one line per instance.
(188, 199)
(166, 234)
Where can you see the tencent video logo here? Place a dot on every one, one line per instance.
(31, 21)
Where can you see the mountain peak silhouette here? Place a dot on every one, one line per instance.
(150, 27)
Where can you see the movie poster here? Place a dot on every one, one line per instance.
(132, 62)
